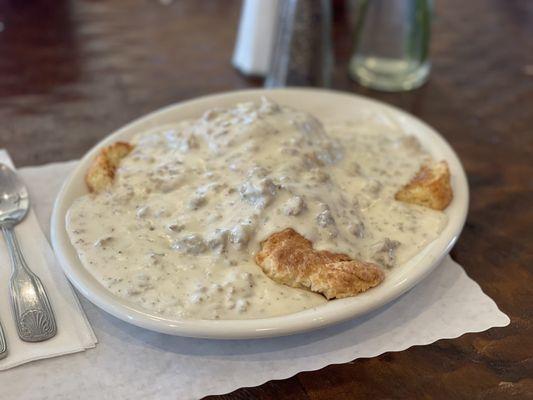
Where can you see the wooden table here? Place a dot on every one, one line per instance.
(72, 73)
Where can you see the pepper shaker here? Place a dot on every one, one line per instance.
(302, 53)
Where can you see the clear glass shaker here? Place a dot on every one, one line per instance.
(302, 54)
(392, 44)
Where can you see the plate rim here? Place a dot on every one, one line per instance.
(303, 321)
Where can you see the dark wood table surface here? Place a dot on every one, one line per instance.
(73, 71)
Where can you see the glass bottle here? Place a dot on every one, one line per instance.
(392, 44)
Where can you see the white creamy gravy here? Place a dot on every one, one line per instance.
(178, 230)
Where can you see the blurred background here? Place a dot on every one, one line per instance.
(85, 67)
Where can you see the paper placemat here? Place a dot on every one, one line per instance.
(133, 363)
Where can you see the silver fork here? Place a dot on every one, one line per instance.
(33, 313)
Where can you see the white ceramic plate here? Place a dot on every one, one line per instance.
(324, 104)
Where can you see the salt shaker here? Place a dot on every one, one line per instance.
(255, 37)
(302, 53)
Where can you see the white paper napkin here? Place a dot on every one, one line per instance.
(74, 332)
(133, 363)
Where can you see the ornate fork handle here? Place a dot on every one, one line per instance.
(3, 343)
(33, 313)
